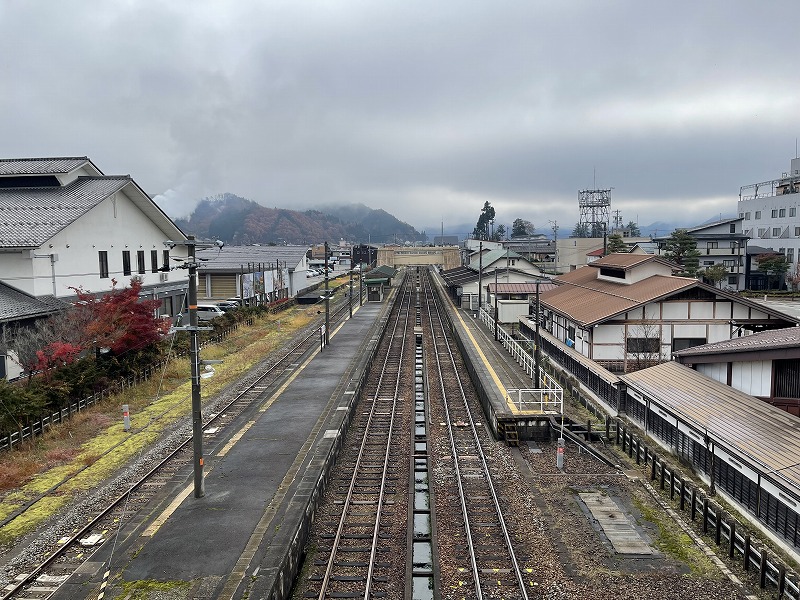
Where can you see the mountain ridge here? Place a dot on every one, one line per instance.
(239, 221)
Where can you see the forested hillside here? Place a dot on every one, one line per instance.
(237, 220)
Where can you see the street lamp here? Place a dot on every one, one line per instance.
(194, 354)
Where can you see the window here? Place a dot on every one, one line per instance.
(792, 211)
(733, 228)
(708, 263)
(684, 343)
(741, 215)
(126, 262)
(797, 231)
(732, 280)
(758, 214)
(643, 345)
(611, 272)
(165, 259)
(776, 231)
(103, 256)
(782, 212)
(747, 216)
(712, 245)
(140, 261)
(774, 213)
(790, 255)
(729, 263)
(154, 261)
(761, 231)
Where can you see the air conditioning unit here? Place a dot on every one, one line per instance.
(163, 276)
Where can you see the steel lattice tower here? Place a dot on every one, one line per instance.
(594, 206)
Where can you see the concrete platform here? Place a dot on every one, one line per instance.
(616, 525)
(493, 371)
(262, 483)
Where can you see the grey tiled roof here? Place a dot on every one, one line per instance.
(16, 305)
(233, 258)
(774, 339)
(37, 166)
(31, 216)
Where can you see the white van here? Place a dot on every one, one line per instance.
(207, 312)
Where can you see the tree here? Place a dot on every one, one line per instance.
(715, 274)
(643, 345)
(499, 233)
(522, 228)
(581, 230)
(681, 248)
(481, 231)
(119, 320)
(773, 264)
(633, 228)
(615, 243)
(794, 278)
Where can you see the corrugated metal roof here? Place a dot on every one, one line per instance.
(521, 288)
(774, 339)
(31, 216)
(588, 300)
(497, 254)
(383, 271)
(44, 166)
(460, 275)
(756, 430)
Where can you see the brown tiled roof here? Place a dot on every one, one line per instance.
(747, 424)
(625, 260)
(775, 339)
(588, 300)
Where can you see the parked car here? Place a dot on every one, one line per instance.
(207, 312)
(227, 305)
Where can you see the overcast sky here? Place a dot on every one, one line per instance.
(424, 109)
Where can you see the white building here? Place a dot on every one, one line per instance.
(627, 311)
(769, 211)
(65, 225)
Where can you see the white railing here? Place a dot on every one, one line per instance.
(549, 396)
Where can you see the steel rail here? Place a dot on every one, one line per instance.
(479, 448)
(81, 532)
(354, 479)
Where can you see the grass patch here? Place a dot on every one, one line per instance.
(92, 445)
(677, 544)
(164, 590)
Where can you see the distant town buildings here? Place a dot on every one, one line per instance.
(769, 214)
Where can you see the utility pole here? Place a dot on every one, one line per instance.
(327, 300)
(350, 294)
(537, 341)
(194, 355)
(480, 276)
(495, 303)
(555, 246)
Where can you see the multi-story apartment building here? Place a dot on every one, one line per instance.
(719, 243)
(769, 212)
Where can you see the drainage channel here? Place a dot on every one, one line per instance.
(424, 582)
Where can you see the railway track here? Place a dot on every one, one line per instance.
(62, 557)
(355, 557)
(486, 553)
